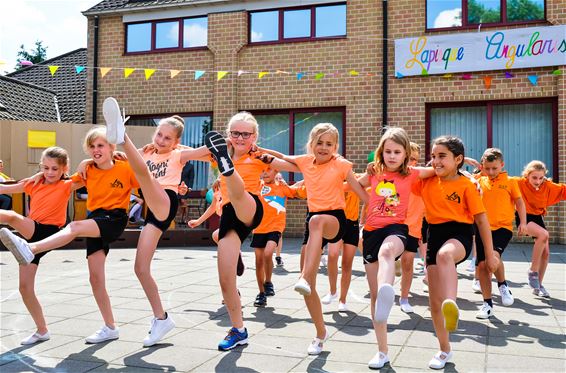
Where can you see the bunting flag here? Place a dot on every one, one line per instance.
(221, 74)
(104, 71)
(25, 63)
(282, 72)
(487, 81)
(53, 69)
(2, 62)
(508, 75)
(533, 79)
(447, 76)
(198, 74)
(174, 73)
(398, 75)
(424, 72)
(353, 73)
(300, 76)
(557, 72)
(79, 69)
(319, 76)
(240, 72)
(466, 76)
(262, 74)
(148, 73)
(128, 71)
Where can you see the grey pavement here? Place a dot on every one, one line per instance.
(528, 336)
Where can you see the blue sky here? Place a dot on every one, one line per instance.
(58, 23)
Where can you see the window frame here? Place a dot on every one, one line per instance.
(489, 104)
(280, 31)
(153, 48)
(503, 22)
(291, 113)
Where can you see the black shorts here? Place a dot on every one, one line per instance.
(438, 234)
(424, 231)
(374, 239)
(229, 220)
(338, 214)
(40, 232)
(500, 237)
(537, 219)
(173, 206)
(412, 244)
(259, 240)
(111, 224)
(351, 232)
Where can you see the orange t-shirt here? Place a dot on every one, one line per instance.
(48, 202)
(165, 168)
(324, 182)
(301, 191)
(415, 214)
(536, 201)
(499, 195)
(109, 189)
(455, 200)
(352, 209)
(274, 213)
(249, 168)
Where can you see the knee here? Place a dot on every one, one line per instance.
(386, 253)
(315, 224)
(96, 280)
(26, 288)
(543, 236)
(333, 256)
(444, 258)
(141, 271)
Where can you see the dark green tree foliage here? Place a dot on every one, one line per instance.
(524, 10)
(477, 13)
(36, 55)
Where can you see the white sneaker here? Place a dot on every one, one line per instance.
(343, 307)
(315, 348)
(158, 330)
(471, 265)
(115, 128)
(476, 287)
(541, 292)
(17, 246)
(378, 361)
(329, 298)
(103, 334)
(324, 260)
(485, 312)
(439, 360)
(406, 307)
(34, 338)
(506, 296)
(302, 287)
(384, 302)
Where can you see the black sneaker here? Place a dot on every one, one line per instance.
(241, 267)
(216, 144)
(279, 261)
(269, 291)
(260, 300)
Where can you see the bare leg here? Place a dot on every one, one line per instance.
(348, 253)
(320, 226)
(391, 248)
(228, 252)
(240, 199)
(24, 225)
(484, 276)
(147, 243)
(407, 261)
(96, 262)
(541, 239)
(268, 259)
(500, 272)
(80, 228)
(544, 261)
(260, 269)
(279, 246)
(380, 329)
(27, 290)
(332, 266)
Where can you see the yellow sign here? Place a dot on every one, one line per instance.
(41, 139)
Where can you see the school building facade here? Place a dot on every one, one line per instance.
(297, 63)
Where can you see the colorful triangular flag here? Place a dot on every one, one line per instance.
(466, 76)
(221, 74)
(424, 72)
(240, 72)
(148, 73)
(447, 76)
(487, 81)
(300, 76)
(319, 76)
(53, 69)
(353, 73)
(533, 79)
(262, 74)
(104, 71)
(2, 62)
(508, 75)
(79, 69)
(398, 75)
(128, 71)
(174, 73)
(198, 74)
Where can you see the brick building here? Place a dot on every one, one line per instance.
(293, 41)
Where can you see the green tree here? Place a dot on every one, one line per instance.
(477, 13)
(524, 10)
(36, 55)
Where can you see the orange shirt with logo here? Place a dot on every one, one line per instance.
(324, 182)
(536, 201)
(48, 202)
(454, 200)
(274, 213)
(249, 168)
(499, 195)
(109, 189)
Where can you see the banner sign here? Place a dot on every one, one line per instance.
(480, 51)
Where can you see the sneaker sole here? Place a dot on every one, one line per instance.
(384, 303)
(302, 291)
(216, 144)
(239, 343)
(112, 116)
(451, 315)
(160, 338)
(6, 239)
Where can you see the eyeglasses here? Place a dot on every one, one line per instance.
(236, 134)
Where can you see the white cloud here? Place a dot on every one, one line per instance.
(449, 18)
(195, 35)
(257, 36)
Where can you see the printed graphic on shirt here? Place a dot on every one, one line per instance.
(391, 198)
(157, 169)
(454, 197)
(117, 184)
(277, 202)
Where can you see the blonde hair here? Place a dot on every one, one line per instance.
(317, 132)
(93, 134)
(534, 166)
(415, 148)
(398, 136)
(56, 153)
(176, 122)
(243, 116)
(492, 154)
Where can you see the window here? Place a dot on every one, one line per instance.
(287, 131)
(508, 125)
(166, 35)
(196, 126)
(297, 24)
(443, 14)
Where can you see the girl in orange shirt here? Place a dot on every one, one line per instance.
(48, 212)
(538, 194)
(452, 204)
(158, 170)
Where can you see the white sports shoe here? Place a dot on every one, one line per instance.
(439, 360)
(115, 128)
(406, 307)
(34, 338)
(17, 246)
(302, 287)
(506, 296)
(315, 348)
(329, 298)
(476, 287)
(343, 307)
(158, 330)
(378, 361)
(485, 311)
(103, 334)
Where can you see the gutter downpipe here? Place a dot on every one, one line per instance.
(95, 72)
(384, 92)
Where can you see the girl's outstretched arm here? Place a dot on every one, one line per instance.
(12, 188)
(204, 217)
(357, 187)
(194, 154)
(424, 172)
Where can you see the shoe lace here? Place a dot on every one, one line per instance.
(231, 333)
